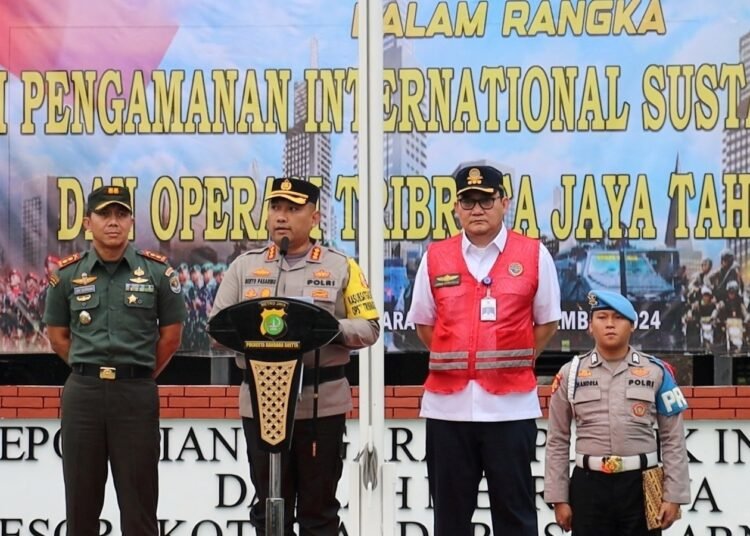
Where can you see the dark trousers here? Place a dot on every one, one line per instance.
(308, 481)
(608, 504)
(458, 453)
(116, 422)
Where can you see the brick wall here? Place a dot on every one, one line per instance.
(220, 402)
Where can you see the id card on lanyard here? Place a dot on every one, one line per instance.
(488, 304)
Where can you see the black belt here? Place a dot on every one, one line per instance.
(120, 372)
(325, 374)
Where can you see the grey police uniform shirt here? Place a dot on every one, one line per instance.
(323, 276)
(615, 413)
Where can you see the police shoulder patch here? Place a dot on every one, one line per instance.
(153, 256)
(70, 259)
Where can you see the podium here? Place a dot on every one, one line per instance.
(273, 334)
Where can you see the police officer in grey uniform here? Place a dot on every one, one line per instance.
(616, 395)
(328, 278)
(114, 314)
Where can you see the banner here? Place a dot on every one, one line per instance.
(621, 126)
(205, 489)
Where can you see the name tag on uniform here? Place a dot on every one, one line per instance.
(488, 310)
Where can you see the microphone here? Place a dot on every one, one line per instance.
(283, 248)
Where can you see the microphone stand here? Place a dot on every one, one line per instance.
(275, 501)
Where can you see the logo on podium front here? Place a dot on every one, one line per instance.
(272, 323)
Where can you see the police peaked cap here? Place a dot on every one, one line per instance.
(479, 178)
(606, 299)
(107, 195)
(294, 190)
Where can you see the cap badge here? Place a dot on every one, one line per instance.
(593, 300)
(286, 185)
(113, 190)
(515, 269)
(639, 409)
(475, 176)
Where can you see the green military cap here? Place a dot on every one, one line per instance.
(295, 190)
(107, 195)
(206, 267)
(196, 268)
(183, 266)
(220, 268)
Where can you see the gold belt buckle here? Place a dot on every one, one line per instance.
(612, 464)
(107, 373)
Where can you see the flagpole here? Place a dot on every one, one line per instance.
(371, 245)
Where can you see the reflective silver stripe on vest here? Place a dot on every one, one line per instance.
(504, 364)
(456, 365)
(486, 354)
(453, 360)
(449, 355)
(486, 359)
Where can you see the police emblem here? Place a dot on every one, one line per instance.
(639, 409)
(272, 323)
(515, 269)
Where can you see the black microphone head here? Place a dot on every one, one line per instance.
(284, 246)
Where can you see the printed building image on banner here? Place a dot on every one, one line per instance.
(622, 129)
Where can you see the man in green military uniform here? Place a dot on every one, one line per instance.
(115, 315)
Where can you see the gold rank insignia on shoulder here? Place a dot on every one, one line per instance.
(70, 259)
(315, 253)
(271, 253)
(447, 280)
(85, 279)
(153, 256)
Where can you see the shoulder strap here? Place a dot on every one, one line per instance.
(572, 373)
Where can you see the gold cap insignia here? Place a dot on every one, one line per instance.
(286, 185)
(593, 300)
(475, 177)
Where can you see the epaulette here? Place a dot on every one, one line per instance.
(153, 256)
(70, 259)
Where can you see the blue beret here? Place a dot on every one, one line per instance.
(606, 299)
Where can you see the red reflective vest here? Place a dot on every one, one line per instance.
(498, 354)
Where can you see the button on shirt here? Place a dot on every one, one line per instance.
(474, 403)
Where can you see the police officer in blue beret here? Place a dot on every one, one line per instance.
(616, 395)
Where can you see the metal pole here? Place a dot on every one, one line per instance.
(370, 239)
(274, 502)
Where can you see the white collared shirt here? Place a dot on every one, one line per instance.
(474, 403)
